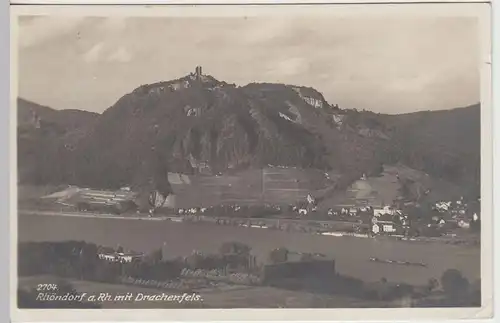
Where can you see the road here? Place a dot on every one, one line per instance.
(174, 217)
(90, 215)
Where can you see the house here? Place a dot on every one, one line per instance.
(106, 253)
(129, 256)
(204, 168)
(385, 225)
(384, 210)
(310, 199)
(442, 206)
(463, 224)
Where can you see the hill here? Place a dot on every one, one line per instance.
(42, 135)
(199, 125)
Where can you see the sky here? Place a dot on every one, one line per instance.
(385, 64)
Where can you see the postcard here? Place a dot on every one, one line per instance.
(292, 162)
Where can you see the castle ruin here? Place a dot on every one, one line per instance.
(198, 72)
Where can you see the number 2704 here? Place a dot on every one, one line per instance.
(46, 287)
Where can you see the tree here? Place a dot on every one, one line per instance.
(83, 206)
(377, 170)
(195, 261)
(234, 248)
(476, 293)
(278, 255)
(88, 260)
(432, 284)
(155, 256)
(454, 283)
(475, 226)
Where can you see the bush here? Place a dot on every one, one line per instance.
(454, 284)
(278, 255)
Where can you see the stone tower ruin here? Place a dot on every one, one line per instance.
(198, 72)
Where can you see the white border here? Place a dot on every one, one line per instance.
(223, 2)
(482, 11)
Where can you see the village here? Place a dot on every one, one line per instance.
(443, 219)
(408, 221)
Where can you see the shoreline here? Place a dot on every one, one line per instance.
(337, 234)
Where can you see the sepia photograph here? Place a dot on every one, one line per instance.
(322, 157)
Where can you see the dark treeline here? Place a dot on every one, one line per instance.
(80, 260)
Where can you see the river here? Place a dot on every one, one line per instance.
(350, 253)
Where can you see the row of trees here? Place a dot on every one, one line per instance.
(80, 260)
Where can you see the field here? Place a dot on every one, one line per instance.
(386, 188)
(255, 186)
(351, 254)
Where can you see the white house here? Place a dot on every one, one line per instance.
(383, 226)
(389, 227)
(128, 257)
(302, 211)
(464, 225)
(443, 206)
(108, 257)
(384, 210)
